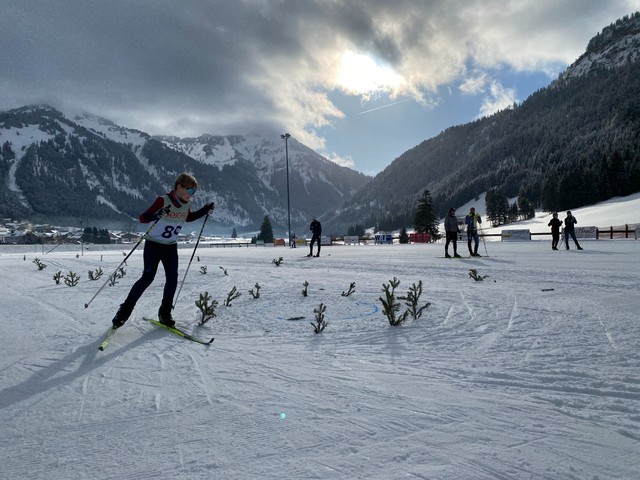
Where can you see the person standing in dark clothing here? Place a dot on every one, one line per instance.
(316, 231)
(555, 225)
(569, 229)
(451, 230)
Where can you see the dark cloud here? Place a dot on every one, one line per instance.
(194, 66)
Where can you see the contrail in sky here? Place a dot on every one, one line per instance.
(384, 106)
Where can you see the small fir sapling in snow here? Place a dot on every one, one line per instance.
(203, 269)
(352, 288)
(473, 273)
(39, 264)
(57, 277)
(390, 306)
(208, 310)
(232, 295)
(412, 299)
(224, 270)
(277, 262)
(305, 291)
(255, 294)
(118, 274)
(95, 274)
(72, 279)
(320, 324)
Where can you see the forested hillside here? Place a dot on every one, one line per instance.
(573, 143)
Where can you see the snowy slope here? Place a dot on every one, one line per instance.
(615, 212)
(532, 373)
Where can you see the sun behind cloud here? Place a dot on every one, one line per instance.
(360, 74)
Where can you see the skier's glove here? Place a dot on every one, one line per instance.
(209, 207)
(161, 213)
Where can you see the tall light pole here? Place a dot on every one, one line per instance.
(286, 136)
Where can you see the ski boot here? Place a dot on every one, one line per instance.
(164, 314)
(123, 314)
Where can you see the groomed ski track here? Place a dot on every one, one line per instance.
(498, 379)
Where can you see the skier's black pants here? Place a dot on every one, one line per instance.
(451, 237)
(315, 238)
(153, 254)
(571, 233)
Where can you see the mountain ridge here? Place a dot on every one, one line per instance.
(81, 166)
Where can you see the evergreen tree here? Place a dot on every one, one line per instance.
(426, 220)
(550, 192)
(526, 209)
(498, 210)
(513, 213)
(87, 235)
(404, 236)
(503, 208)
(266, 231)
(234, 234)
(104, 236)
(617, 174)
(491, 209)
(7, 152)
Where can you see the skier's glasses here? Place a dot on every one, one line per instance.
(190, 191)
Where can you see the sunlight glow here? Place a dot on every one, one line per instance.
(360, 74)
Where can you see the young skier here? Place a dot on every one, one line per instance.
(170, 212)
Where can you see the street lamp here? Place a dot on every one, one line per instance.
(286, 136)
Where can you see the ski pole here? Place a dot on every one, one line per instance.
(86, 305)
(191, 260)
(484, 243)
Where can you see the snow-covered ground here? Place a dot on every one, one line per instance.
(533, 373)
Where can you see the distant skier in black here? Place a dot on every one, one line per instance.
(451, 230)
(316, 230)
(555, 225)
(569, 229)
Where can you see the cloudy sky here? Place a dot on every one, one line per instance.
(360, 81)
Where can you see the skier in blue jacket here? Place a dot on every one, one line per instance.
(472, 220)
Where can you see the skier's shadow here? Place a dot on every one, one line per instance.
(67, 369)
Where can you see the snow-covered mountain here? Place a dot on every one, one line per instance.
(57, 166)
(616, 46)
